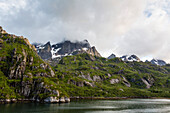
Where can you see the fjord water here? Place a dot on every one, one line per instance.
(92, 106)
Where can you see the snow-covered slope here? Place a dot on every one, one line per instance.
(130, 58)
(158, 62)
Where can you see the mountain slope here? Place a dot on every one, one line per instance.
(130, 58)
(158, 62)
(23, 74)
(97, 76)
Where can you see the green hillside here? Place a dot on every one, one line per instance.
(23, 74)
(86, 76)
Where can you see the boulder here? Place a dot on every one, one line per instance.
(114, 81)
(51, 100)
(62, 100)
(67, 99)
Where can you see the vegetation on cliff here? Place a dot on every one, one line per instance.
(86, 75)
(23, 74)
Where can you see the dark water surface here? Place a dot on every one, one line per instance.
(92, 106)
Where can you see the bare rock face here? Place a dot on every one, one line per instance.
(158, 62)
(45, 52)
(96, 78)
(65, 48)
(85, 76)
(92, 51)
(114, 81)
(112, 56)
(125, 81)
(146, 83)
(2, 31)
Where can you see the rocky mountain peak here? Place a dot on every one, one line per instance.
(130, 58)
(112, 56)
(158, 62)
(47, 46)
(93, 51)
(64, 48)
(44, 51)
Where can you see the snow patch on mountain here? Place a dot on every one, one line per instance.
(130, 58)
(158, 62)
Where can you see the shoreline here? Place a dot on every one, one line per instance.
(115, 98)
(8, 101)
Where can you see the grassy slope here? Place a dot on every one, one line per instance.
(71, 67)
(9, 87)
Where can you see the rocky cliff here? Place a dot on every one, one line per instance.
(45, 51)
(65, 48)
(23, 74)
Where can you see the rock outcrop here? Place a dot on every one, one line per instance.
(45, 51)
(111, 56)
(92, 51)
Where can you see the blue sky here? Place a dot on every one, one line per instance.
(121, 27)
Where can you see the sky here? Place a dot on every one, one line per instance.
(122, 27)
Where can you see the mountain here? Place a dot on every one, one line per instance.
(23, 74)
(92, 51)
(65, 48)
(130, 58)
(158, 62)
(44, 50)
(111, 56)
(81, 73)
(91, 76)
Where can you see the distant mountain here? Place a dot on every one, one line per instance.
(130, 58)
(158, 62)
(65, 48)
(68, 48)
(111, 56)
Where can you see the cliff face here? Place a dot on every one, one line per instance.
(24, 74)
(66, 48)
(92, 51)
(45, 53)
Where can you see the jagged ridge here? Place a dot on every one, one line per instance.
(65, 48)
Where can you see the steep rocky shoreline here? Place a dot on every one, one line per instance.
(24, 76)
(47, 100)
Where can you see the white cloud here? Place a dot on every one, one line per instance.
(120, 26)
(8, 7)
